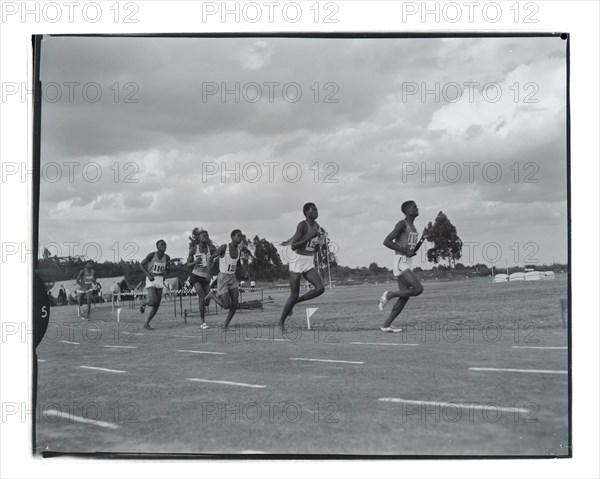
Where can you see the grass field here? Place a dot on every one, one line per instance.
(480, 369)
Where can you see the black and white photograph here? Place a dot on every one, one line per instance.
(309, 245)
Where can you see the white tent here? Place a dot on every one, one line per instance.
(110, 285)
(533, 276)
(70, 285)
(548, 275)
(517, 277)
(501, 278)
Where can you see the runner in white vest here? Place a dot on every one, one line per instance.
(199, 255)
(86, 279)
(306, 241)
(227, 286)
(155, 266)
(402, 240)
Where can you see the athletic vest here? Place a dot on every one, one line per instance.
(310, 245)
(227, 264)
(157, 266)
(410, 235)
(201, 269)
(88, 279)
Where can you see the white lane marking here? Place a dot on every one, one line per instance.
(127, 333)
(540, 347)
(68, 342)
(179, 336)
(41, 360)
(534, 371)
(102, 369)
(198, 352)
(385, 344)
(229, 383)
(122, 347)
(265, 339)
(71, 417)
(446, 404)
(327, 360)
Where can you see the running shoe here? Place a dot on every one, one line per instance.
(383, 301)
(391, 330)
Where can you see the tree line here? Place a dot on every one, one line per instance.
(264, 263)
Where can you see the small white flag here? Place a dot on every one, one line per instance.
(309, 313)
(119, 314)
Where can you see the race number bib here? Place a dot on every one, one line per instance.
(202, 261)
(158, 268)
(231, 268)
(311, 245)
(413, 238)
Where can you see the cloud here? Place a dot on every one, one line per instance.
(198, 148)
(257, 55)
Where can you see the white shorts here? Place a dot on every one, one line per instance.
(400, 264)
(157, 283)
(300, 263)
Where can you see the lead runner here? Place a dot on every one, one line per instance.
(198, 258)
(155, 266)
(403, 240)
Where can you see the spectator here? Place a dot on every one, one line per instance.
(62, 295)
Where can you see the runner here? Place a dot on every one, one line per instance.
(227, 286)
(307, 239)
(201, 250)
(402, 240)
(86, 279)
(155, 266)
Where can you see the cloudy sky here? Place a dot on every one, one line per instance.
(339, 122)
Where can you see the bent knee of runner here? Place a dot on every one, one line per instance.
(319, 290)
(418, 290)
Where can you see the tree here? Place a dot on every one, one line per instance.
(326, 258)
(375, 269)
(265, 262)
(446, 243)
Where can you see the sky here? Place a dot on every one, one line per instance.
(141, 139)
